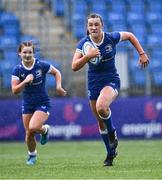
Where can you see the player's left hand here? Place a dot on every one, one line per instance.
(143, 60)
(61, 92)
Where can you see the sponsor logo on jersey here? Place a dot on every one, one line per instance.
(43, 107)
(108, 48)
(22, 75)
(38, 73)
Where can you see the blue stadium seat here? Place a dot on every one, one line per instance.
(6, 80)
(116, 18)
(98, 6)
(7, 67)
(133, 65)
(154, 40)
(10, 24)
(155, 65)
(78, 30)
(67, 16)
(57, 7)
(27, 37)
(157, 78)
(154, 17)
(8, 31)
(11, 55)
(139, 77)
(79, 7)
(155, 6)
(156, 28)
(133, 55)
(135, 17)
(52, 62)
(1, 54)
(1, 29)
(156, 53)
(139, 30)
(79, 15)
(137, 6)
(9, 42)
(50, 80)
(78, 26)
(9, 17)
(122, 26)
(118, 6)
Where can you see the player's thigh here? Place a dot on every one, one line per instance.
(26, 120)
(93, 106)
(107, 96)
(38, 119)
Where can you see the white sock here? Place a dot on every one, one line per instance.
(45, 129)
(34, 153)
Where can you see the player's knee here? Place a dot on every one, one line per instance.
(32, 129)
(29, 134)
(102, 110)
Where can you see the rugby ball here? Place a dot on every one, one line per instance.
(86, 47)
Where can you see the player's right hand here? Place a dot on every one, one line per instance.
(60, 91)
(93, 52)
(143, 60)
(29, 78)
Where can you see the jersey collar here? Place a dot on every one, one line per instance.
(28, 68)
(98, 44)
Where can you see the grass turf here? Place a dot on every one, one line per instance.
(83, 160)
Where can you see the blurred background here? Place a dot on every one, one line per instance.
(55, 27)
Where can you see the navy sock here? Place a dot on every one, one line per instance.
(105, 139)
(108, 122)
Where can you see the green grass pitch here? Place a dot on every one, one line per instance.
(83, 160)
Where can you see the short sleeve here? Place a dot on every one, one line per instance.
(115, 36)
(79, 47)
(45, 66)
(15, 73)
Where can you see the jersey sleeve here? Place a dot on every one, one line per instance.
(46, 67)
(115, 37)
(79, 47)
(15, 73)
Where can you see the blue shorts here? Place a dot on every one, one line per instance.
(94, 93)
(30, 109)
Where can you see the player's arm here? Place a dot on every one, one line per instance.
(59, 90)
(17, 86)
(80, 60)
(143, 58)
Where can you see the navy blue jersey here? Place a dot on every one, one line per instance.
(102, 70)
(34, 93)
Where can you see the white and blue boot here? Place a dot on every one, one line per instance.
(45, 137)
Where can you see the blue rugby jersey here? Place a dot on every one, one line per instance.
(34, 93)
(102, 71)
